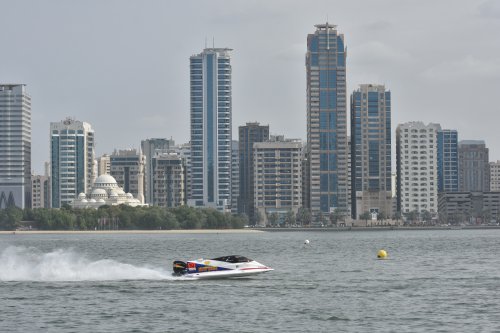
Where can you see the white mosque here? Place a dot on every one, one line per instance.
(105, 191)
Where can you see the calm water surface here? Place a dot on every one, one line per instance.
(434, 281)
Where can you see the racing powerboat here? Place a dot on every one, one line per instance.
(218, 268)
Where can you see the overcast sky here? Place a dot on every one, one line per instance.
(123, 66)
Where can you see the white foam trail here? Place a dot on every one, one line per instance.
(29, 264)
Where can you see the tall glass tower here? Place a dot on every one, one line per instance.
(15, 146)
(211, 127)
(371, 150)
(447, 159)
(71, 160)
(326, 119)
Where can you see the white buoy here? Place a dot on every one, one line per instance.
(306, 242)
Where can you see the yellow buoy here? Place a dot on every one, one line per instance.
(382, 254)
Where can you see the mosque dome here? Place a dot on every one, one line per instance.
(105, 191)
(105, 181)
(99, 192)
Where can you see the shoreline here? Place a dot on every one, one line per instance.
(244, 231)
(95, 232)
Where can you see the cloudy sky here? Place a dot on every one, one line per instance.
(123, 66)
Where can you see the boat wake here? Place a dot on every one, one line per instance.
(29, 264)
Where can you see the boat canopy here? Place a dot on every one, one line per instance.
(233, 259)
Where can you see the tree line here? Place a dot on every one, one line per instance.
(120, 217)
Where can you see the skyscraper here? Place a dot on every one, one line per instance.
(447, 168)
(71, 160)
(127, 167)
(248, 135)
(235, 176)
(150, 148)
(326, 119)
(15, 146)
(169, 180)
(416, 161)
(103, 164)
(473, 166)
(211, 128)
(371, 150)
(40, 191)
(277, 178)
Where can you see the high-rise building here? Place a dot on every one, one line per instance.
(326, 119)
(306, 189)
(349, 177)
(473, 166)
(495, 176)
(40, 194)
(184, 151)
(211, 128)
(371, 150)
(248, 135)
(416, 161)
(277, 178)
(127, 167)
(72, 160)
(168, 180)
(150, 148)
(15, 146)
(447, 168)
(235, 176)
(103, 165)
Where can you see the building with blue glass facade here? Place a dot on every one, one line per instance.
(211, 128)
(326, 120)
(15, 146)
(71, 160)
(371, 150)
(447, 160)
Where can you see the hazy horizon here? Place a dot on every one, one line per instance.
(123, 67)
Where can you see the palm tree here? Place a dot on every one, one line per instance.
(426, 216)
(365, 216)
(290, 218)
(397, 217)
(336, 215)
(273, 218)
(412, 216)
(381, 217)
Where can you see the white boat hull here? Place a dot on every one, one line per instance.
(233, 266)
(226, 274)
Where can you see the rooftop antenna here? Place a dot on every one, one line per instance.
(213, 42)
(327, 34)
(205, 41)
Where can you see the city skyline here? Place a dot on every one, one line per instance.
(99, 72)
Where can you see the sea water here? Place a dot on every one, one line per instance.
(432, 281)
